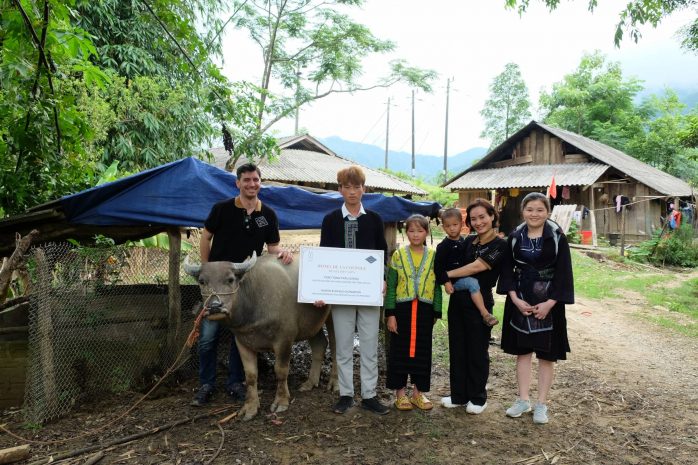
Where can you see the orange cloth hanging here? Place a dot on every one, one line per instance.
(413, 328)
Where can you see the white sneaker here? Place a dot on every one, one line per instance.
(446, 402)
(540, 414)
(475, 409)
(519, 408)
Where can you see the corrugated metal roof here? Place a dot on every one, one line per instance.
(570, 174)
(658, 180)
(314, 167)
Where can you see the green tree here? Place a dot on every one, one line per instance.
(508, 108)
(660, 143)
(43, 133)
(635, 14)
(311, 49)
(171, 99)
(689, 134)
(595, 101)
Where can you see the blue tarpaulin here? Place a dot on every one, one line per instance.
(182, 193)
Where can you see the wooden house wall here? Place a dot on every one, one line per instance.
(467, 196)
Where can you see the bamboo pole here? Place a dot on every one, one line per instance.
(622, 231)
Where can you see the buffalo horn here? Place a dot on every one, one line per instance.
(246, 265)
(190, 269)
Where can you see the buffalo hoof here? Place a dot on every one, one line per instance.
(308, 385)
(248, 412)
(333, 385)
(279, 407)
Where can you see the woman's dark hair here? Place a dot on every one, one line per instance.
(487, 206)
(535, 196)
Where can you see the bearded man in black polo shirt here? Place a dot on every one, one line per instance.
(233, 230)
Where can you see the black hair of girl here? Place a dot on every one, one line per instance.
(491, 211)
(530, 197)
(419, 220)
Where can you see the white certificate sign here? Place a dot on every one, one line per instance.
(341, 276)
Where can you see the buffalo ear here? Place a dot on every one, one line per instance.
(192, 270)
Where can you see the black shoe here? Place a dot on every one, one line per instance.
(203, 395)
(375, 406)
(343, 404)
(237, 392)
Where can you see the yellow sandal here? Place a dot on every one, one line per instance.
(403, 403)
(421, 402)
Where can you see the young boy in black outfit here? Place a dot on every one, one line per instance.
(450, 254)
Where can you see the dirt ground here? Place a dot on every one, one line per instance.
(627, 395)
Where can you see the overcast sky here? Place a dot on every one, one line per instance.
(471, 41)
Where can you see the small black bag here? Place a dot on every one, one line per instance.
(534, 288)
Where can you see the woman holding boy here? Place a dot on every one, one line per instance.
(468, 331)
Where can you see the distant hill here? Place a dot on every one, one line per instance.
(426, 166)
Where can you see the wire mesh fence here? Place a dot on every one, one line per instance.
(98, 322)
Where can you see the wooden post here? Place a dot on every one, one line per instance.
(174, 319)
(45, 330)
(592, 216)
(622, 231)
(9, 265)
(14, 454)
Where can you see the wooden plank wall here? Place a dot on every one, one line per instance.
(465, 197)
(543, 147)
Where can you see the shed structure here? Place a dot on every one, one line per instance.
(591, 173)
(305, 161)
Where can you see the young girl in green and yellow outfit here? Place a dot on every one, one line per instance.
(412, 305)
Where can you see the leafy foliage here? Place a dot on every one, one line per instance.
(636, 13)
(573, 235)
(675, 248)
(595, 101)
(598, 102)
(43, 133)
(310, 49)
(508, 108)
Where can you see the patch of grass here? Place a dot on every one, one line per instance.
(595, 280)
(682, 300)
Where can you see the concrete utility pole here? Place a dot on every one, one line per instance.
(448, 91)
(298, 90)
(387, 134)
(413, 167)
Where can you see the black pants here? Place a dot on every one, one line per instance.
(399, 381)
(468, 344)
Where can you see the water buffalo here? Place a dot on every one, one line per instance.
(257, 299)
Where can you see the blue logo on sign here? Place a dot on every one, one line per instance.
(371, 259)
